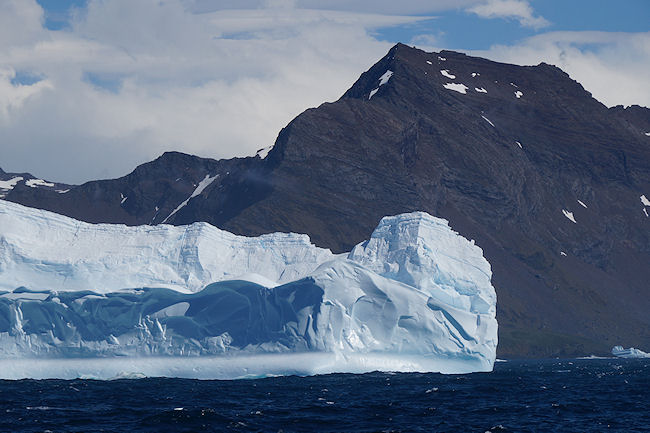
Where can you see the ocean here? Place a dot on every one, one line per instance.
(579, 395)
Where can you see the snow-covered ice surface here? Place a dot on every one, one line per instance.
(583, 204)
(456, 87)
(480, 90)
(196, 301)
(518, 94)
(620, 352)
(43, 250)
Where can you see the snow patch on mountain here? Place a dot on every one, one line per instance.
(207, 180)
(33, 183)
(263, 152)
(569, 215)
(446, 73)
(382, 80)
(8, 185)
(488, 121)
(644, 200)
(11, 183)
(456, 87)
(385, 77)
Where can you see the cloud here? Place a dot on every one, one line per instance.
(426, 41)
(20, 22)
(388, 7)
(519, 10)
(612, 66)
(129, 80)
(13, 95)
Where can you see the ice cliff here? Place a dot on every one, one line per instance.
(197, 301)
(631, 353)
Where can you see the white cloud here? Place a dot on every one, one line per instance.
(13, 96)
(20, 22)
(390, 7)
(519, 10)
(427, 41)
(612, 66)
(120, 88)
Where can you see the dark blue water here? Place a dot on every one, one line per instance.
(532, 396)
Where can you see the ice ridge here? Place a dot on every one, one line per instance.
(415, 297)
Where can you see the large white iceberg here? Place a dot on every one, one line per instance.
(97, 300)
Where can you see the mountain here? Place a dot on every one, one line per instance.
(10, 181)
(148, 195)
(552, 185)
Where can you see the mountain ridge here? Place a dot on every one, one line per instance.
(522, 159)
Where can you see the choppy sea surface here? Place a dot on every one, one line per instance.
(518, 396)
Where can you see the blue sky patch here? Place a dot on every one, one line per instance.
(109, 82)
(26, 78)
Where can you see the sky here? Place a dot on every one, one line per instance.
(89, 89)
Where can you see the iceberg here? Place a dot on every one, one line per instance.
(620, 352)
(103, 300)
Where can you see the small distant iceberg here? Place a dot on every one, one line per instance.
(620, 352)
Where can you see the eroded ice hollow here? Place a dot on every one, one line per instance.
(98, 300)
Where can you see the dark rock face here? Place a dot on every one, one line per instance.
(547, 180)
(148, 195)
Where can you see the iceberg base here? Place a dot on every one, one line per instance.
(232, 367)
